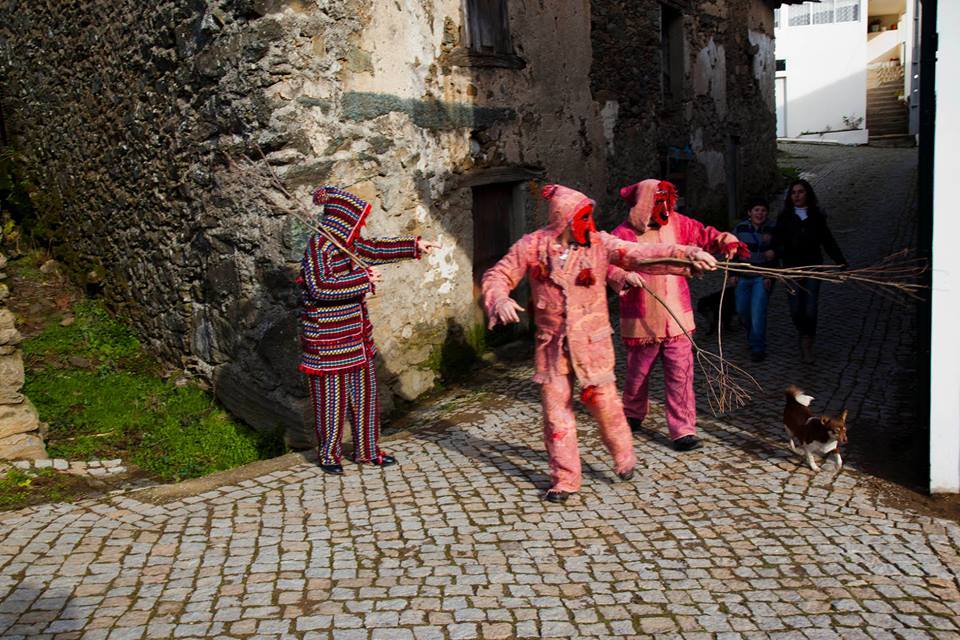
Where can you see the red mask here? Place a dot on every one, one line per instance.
(582, 224)
(664, 201)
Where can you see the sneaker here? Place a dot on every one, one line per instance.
(557, 496)
(635, 424)
(627, 475)
(687, 443)
(758, 356)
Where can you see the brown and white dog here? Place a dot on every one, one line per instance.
(813, 434)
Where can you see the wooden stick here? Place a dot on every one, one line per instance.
(307, 220)
(723, 390)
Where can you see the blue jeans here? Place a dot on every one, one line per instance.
(803, 305)
(752, 299)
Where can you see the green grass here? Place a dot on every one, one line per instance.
(20, 489)
(94, 335)
(115, 404)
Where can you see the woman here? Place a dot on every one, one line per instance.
(800, 234)
(753, 291)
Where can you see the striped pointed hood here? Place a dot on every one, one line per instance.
(344, 213)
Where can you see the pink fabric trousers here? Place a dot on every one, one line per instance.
(681, 401)
(560, 429)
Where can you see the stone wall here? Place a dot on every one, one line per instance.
(721, 124)
(128, 111)
(20, 428)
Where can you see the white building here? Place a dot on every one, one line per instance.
(945, 340)
(840, 69)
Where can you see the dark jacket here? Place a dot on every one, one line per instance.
(758, 241)
(798, 242)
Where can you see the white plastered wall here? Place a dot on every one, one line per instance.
(945, 340)
(826, 78)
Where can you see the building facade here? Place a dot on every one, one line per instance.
(843, 70)
(444, 114)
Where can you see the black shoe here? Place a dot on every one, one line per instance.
(758, 356)
(335, 469)
(557, 496)
(635, 424)
(383, 460)
(687, 443)
(627, 475)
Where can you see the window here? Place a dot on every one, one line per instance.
(782, 64)
(799, 15)
(671, 54)
(487, 28)
(776, 18)
(848, 10)
(823, 12)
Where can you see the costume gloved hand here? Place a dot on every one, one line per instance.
(737, 250)
(504, 312)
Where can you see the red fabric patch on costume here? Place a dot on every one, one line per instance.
(589, 395)
(541, 272)
(558, 435)
(743, 251)
(585, 278)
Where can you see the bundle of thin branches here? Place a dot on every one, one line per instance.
(894, 276)
(726, 383)
(259, 176)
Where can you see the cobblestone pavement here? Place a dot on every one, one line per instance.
(735, 540)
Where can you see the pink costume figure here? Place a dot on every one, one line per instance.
(567, 267)
(646, 327)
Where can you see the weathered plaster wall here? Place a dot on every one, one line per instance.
(728, 66)
(129, 108)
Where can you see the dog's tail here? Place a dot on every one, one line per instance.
(797, 395)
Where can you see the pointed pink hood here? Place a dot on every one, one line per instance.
(563, 203)
(640, 197)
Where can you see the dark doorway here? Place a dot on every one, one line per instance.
(492, 219)
(497, 224)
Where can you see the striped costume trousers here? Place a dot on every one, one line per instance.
(332, 395)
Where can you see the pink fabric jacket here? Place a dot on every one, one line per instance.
(569, 315)
(643, 320)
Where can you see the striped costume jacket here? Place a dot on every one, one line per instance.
(336, 334)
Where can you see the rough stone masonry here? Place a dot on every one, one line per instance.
(128, 110)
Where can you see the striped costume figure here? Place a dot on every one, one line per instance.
(336, 334)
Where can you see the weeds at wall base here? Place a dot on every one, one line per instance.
(104, 396)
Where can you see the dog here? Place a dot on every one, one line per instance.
(813, 434)
(708, 305)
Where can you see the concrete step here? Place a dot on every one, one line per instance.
(887, 126)
(898, 115)
(885, 111)
(884, 93)
(892, 140)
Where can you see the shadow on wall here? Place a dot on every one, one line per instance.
(255, 370)
(823, 110)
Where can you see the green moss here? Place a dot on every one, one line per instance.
(93, 335)
(20, 489)
(103, 397)
(789, 174)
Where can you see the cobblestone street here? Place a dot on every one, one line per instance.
(735, 540)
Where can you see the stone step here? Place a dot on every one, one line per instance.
(893, 140)
(884, 92)
(891, 110)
